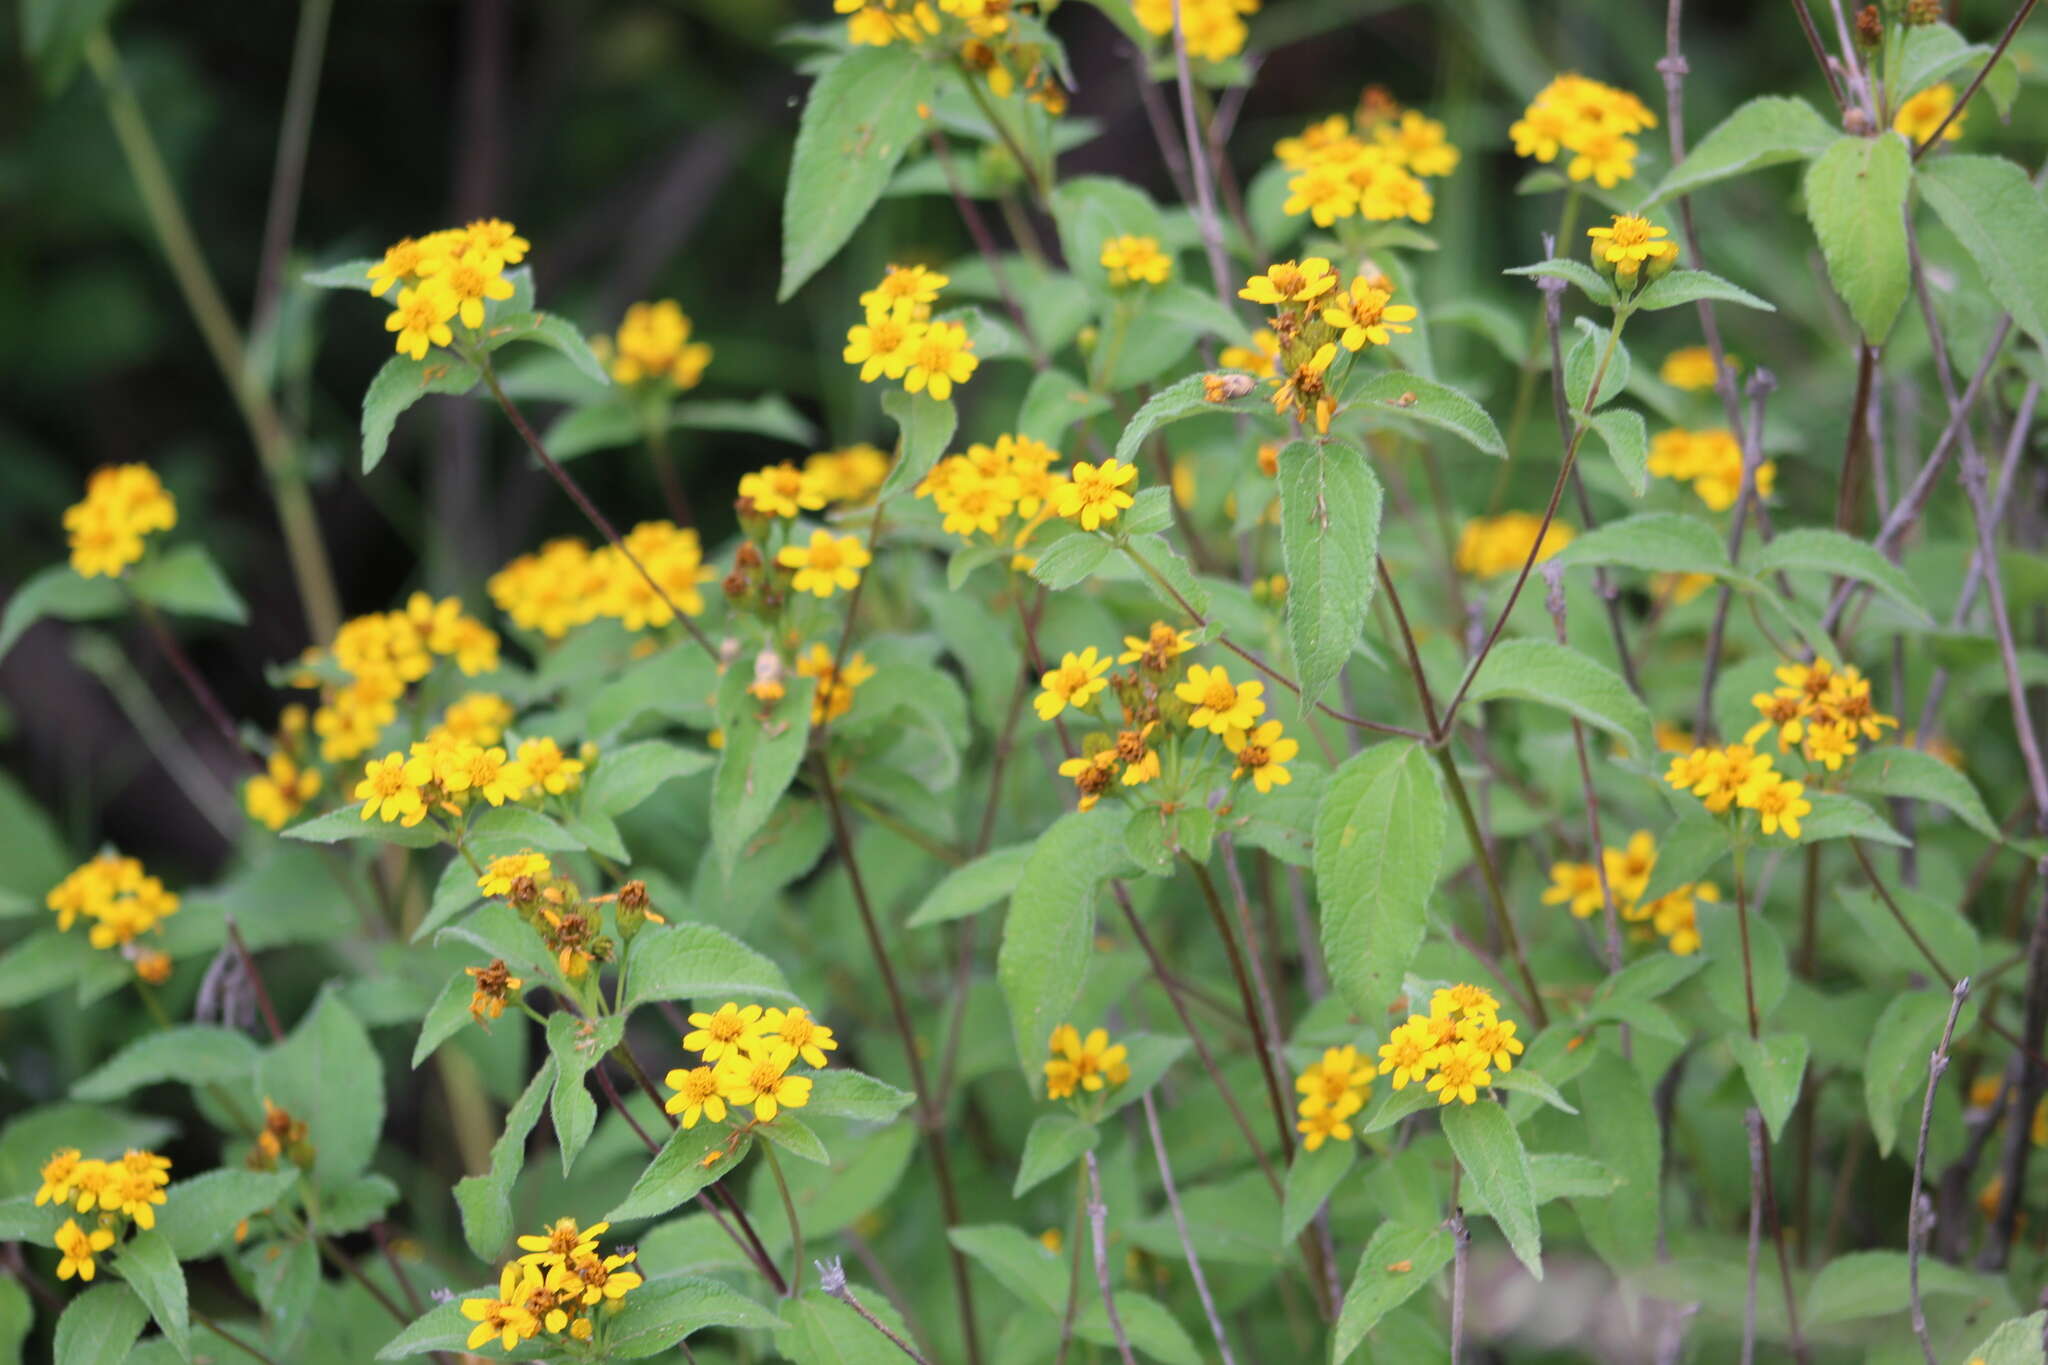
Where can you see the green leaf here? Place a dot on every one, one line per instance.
(327, 1073)
(844, 1093)
(1054, 1143)
(1722, 977)
(1927, 52)
(1896, 1064)
(1564, 1175)
(1408, 395)
(1177, 401)
(486, 1200)
(553, 331)
(1172, 582)
(1055, 401)
(2015, 1342)
(1775, 1067)
(604, 425)
(1681, 287)
(1049, 932)
(1522, 1081)
(1330, 535)
(1071, 559)
(150, 1267)
(442, 1329)
(627, 776)
(770, 414)
(1559, 676)
(973, 888)
(1396, 1105)
(1089, 210)
(1491, 1152)
(348, 823)
(1378, 1288)
(1628, 444)
(662, 1312)
(1584, 358)
(1150, 1056)
(353, 274)
(1816, 549)
(793, 1135)
(758, 762)
(577, 1047)
(200, 1215)
(402, 382)
(858, 121)
(1379, 842)
(58, 591)
(1870, 1284)
(185, 581)
(678, 1171)
(1310, 1179)
(191, 1053)
(1996, 213)
(925, 424)
(820, 1330)
(1573, 271)
(690, 961)
(21, 1220)
(1624, 1135)
(1840, 817)
(1767, 131)
(53, 37)
(100, 1326)
(1856, 199)
(1894, 770)
(17, 1319)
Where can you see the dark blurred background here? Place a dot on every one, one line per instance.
(641, 146)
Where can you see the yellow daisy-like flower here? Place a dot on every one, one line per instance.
(548, 768)
(1135, 260)
(1779, 804)
(881, 345)
(421, 319)
(1262, 753)
(387, 792)
(504, 1319)
(1406, 1053)
(78, 1247)
(1221, 706)
(1919, 116)
(1305, 390)
(123, 504)
(939, 358)
(914, 285)
(280, 792)
(1460, 1071)
(781, 490)
(1321, 1125)
(728, 1029)
(1089, 1063)
(470, 281)
(1691, 368)
(1365, 315)
(761, 1078)
(1493, 1039)
(699, 1094)
(1630, 241)
(827, 565)
(1094, 494)
(1092, 774)
(1291, 282)
(796, 1028)
(1157, 649)
(1074, 683)
(501, 872)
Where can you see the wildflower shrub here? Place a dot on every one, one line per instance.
(1266, 789)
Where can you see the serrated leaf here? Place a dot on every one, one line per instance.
(1816, 549)
(1623, 1132)
(185, 581)
(844, 1093)
(199, 1216)
(759, 760)
(1409, 395)
(1856, 199)
(1379, 843)
(1310, 1179)
(1681, 287)
(58, 591)
(402, 382)
(486, 1200)
(1522, 1081)
(769, 414)
(327, 1073)
(99, 1326)
(1401, 1259)
(2014, 1342)
(1559, 676)
(628, 775)
(925, 424)
(442, 1329)
(820, 1330)
(1071, 559)
(1177, 401)
(1054, 1142)
(1948, 935)
(1627, 439)
(1049, 932)
(353, 274)
(662, 1312)
(191, 1053)
(690, 961)
(1896, 1062)
(794, 1136)
(1583, 360)
(151, 1269)
(1496, 1163)
(1869, 1284)
(1330, 533)
(1994, 210)
(972, 888)
(1575, 272)
(678, 1171)
(859, 119)
(577, 1048)
(1894, 770)
(1836, 816)
(348, 823)
(1775, 1067)
(1767, 131)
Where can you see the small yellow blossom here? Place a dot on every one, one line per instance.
(1919, 116)
(1075, 683)
(1135, 260)
(1220, 705)
(1089, 1063)
(827, 565)
(1094, 494)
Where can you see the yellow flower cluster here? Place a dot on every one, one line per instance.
(978, 34)
(825, 565)
(653, 345)
(275, 796)
(1093, 495)
(123, 503)
(836, 685)
(746, 1054)
(1691, 368)
(567, 584)
(121, 900)
(1088, 1063)
(552, 1288)
(445, 277)
(1822, 709)
(457, 763)
(900, 341)
(571, 928)
(1737, 776)
(981, 491)
(1496, 545)
(1332, 1090)
(1919, 116)
(850, 474)
(1313, 317)
(1451, 1048)
(1214, 29)
(1710, 460)
(125, 1191)
(1593, 123)
(1135, 260)
(1375, 171)
(1673, 914)
(380, 655)
(1631, 250)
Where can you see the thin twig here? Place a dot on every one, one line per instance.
(1596, 842)
(288, 175)
(248, 960)
(832, 1279)
(1754, 1121)
(205, 1320)
(1180, 1223)
(1761, 383)
(1496, 898)
(1282, 1120)
(1205, 193)
(1098, 1228)
(1820, 54)
(1917, 1212)
(1461, 1247)
(1977, 82)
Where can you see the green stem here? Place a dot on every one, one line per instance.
(1505, 921)
(1525, 385)
(796, 1231)
(1742, 924)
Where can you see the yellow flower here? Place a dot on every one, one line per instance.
(833, 696)
(493, 985)
(280, 792)
(939, 358)
(914, 285)
(1259, 357)
(781, 490)
(502, 871)
(1576, 885)
(1420, 143)
(495, 240)
(1364, 314)
(1262, 753)
(698, 1095)
(421, 319)
(1465, 1000)
(1492, 1038)
(1778, 803)
(1074, 683)
(1605, 158)
(386, 791)
(1629, 242)
(1691, 368)
(1460, 1071)
(1321, 1125)
(761, 1078)
(548, 768)
(1091, 774)
(848, 474)
(78, 1248)
(653, 343)
(1135, 260)
(1157, 649)
(504, 1318)
(1325, 192)
(729, 1029)
(1829, 744)
(1341, 1078)
(1290, 282)
(1495, 545)
(122, 505)
(1094, 494)
(1591, 121)
(828, 564)
(1406, 1053)
(401, 262)
(1220, 705)
(797, 1029)
(1214, 29)
(881, 345)
(1305, 391)
(469, 282)
(1089, 1063)
(134, 1193)
(1919, 116)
